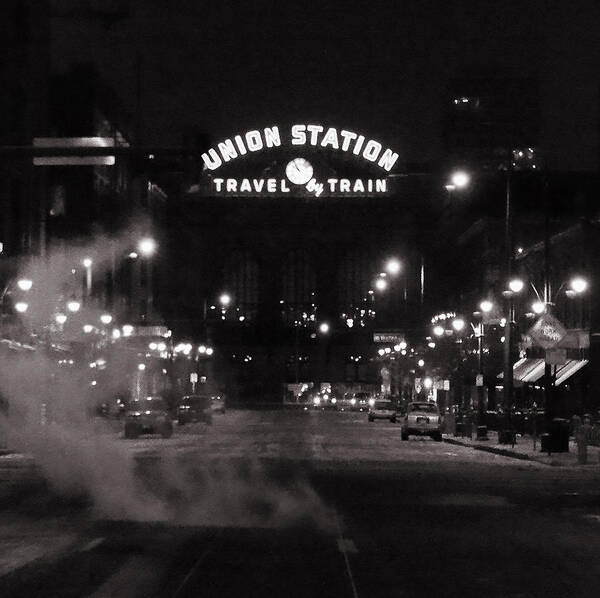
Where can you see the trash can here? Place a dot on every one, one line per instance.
(559, 435)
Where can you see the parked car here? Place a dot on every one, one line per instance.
(382, 409)
(422, 419)
(218, 403)
(360, 401)
(195, 408)
(148, 416)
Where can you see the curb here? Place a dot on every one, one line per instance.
(489, 449)
(516, 455)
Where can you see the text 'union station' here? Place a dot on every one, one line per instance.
(299, 135)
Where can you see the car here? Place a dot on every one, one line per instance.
(148, 415)
(195, 408)
(423, 419)
(360, 401)
(218, 403)
(382, 409)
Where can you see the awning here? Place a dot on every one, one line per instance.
(529, 369)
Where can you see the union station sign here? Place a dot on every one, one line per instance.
(302, 174)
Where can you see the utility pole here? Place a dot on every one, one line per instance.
(508, 334)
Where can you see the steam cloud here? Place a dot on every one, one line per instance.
(51, 416)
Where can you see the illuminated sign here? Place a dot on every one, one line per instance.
(345, 141)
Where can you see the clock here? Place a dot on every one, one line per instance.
(299, 171)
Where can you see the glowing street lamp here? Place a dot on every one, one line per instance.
(579, 285)
(516, 285)
(460, 179)
(381, 284)
(486, 306)
(458, 324)
(323, 327)
(225, 299)
(60, 319)
(538, 307)
(438, 330)
(393, 266)
(106, 319)
(147, 246)
(25, 284)
(21, 307)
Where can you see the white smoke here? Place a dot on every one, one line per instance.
(51, 415)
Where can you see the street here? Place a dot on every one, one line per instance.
(307, 503)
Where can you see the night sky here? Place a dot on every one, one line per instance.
(378, 67)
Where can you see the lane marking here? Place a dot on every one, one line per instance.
(343, 540)
(346, 545)
(190, 573)
(91, 544)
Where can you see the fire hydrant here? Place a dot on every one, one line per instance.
(582, 438)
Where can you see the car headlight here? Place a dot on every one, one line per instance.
(334, 401)
(371, 402)
(352, 401)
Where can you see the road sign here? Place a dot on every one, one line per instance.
(388, 337)
(548, 331)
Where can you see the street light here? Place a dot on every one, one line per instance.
(438, 330)
(323, 327)
(459, 179)
(393, 266)
(579, 285)
(21, 307)
(147, 246)
(516, 285)
(225, 299)
(60, 319)
(458, 324)
(538, 307)
(486, 306)
(381, 284)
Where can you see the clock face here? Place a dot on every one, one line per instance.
(299, 171)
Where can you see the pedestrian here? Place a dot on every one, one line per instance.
(575, 425)
(582, 438)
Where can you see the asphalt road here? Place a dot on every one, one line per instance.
(314, 504)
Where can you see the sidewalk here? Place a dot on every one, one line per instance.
(523, 449)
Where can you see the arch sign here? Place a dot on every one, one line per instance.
(298, 176)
